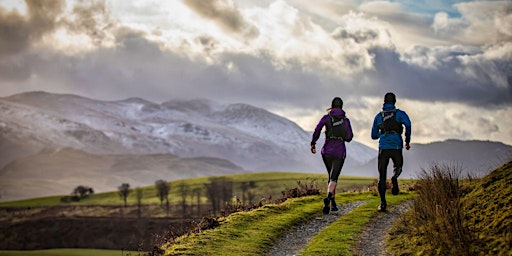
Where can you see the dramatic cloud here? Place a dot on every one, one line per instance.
(290, 57)
(225, 13)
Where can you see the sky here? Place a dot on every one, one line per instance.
(448, 62)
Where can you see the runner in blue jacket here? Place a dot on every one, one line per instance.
(388, 128)
(334, 150)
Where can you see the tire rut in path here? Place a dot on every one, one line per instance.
(373, 238)
(292, 242)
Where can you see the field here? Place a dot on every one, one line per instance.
(475, 201)
(267, 184)
(48, 222)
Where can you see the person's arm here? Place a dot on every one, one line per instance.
(408, 129)
(316, 134)
(348, 127)
(375, 127)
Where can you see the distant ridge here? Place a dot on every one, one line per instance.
(247, 138)
(474, 157)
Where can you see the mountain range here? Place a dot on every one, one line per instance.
(50, 143)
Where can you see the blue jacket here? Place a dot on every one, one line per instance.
(333, 148)
(391, 140)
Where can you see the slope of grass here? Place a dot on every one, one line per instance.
(488, 209)
(267, 184)
(251, 233)
(454, 216)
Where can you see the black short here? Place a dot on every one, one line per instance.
(333, 166)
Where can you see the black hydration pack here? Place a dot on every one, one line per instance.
(389, 123)
(337, 130)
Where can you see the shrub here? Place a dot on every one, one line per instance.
(436, 221)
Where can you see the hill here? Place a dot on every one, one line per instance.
(105, 137)
(209, 138)
(58, 172)
(476, 158)
(459, 217)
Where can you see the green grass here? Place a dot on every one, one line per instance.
(71, 252)
(252, 233)
(339, 237)
(476, 218)
(268, 184)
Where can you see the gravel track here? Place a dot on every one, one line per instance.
(293, 241)
(371, 241)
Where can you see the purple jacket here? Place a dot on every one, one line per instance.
(333, 148)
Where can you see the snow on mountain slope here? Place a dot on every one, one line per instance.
(248, 136)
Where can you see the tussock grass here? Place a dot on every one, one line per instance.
(456, 216)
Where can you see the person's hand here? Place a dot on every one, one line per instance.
(407, 146)
(313, 149)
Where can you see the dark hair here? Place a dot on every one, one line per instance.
(337, 103)
(390, 98)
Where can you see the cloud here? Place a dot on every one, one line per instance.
(293, 64)
(18, 32)
(225, 14)
(481, 22)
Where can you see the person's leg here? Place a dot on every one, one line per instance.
(328, 167)
(382, 162)
(328, 161)
(337, 164)
(398, 161)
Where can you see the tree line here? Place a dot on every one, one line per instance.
(219, 192)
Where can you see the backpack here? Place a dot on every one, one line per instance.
(337, 130)
(389, 123)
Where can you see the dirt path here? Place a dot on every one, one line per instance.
(292, 242)
(371, 241)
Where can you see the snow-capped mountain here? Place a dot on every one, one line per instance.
(101, 135)
(245, 135)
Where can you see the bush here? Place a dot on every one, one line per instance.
(436, 221)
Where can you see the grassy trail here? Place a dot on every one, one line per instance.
(252, 233)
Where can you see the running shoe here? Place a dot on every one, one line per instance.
(382, 207)
(325, 210)
(394, 190)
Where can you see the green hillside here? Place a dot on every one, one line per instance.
(266, 184)
(488, 210)
(458, 216)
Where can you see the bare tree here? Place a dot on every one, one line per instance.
(163, 188)
(197, 193)
(138, 192)
(244, 186)
(124, 191)
(184, 190)
(219, 191)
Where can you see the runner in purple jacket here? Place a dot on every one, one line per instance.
(333, 151)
